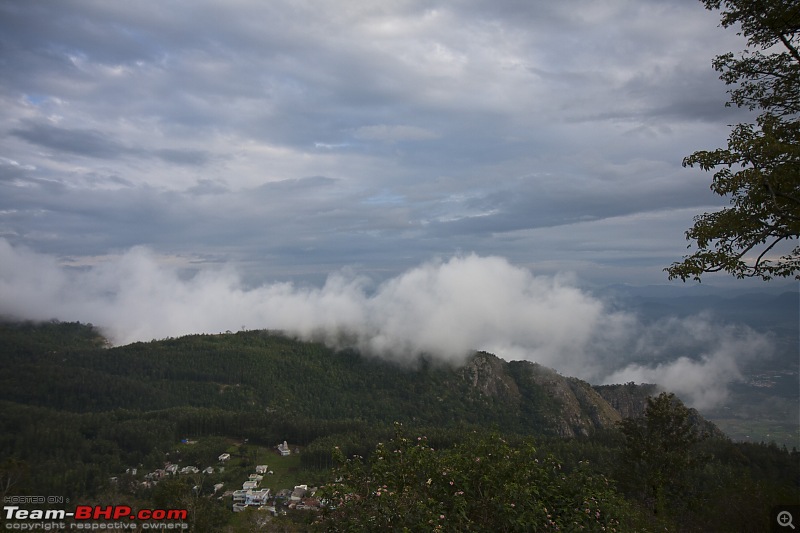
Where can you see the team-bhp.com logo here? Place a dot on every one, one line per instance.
(116, 512)
(94, 517)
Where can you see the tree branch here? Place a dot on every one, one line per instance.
(762, 254)
(788, 44)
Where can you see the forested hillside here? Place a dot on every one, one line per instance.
(67, 367)
(75, 413)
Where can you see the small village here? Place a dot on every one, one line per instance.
(768, 380)
(252, 492)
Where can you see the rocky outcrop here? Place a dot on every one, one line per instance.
(601, 414)
(581, 410)
(487, 374)
(565, 406)
(630, 399)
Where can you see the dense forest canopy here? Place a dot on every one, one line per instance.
(113, 409)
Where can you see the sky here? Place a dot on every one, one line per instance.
(168, 167)
(296, 138)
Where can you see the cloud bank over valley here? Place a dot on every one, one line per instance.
(445, 308)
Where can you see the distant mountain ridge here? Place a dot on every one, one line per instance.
(774, 310)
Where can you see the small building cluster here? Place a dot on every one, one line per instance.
(252, 494)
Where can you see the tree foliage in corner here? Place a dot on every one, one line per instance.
(759, 171)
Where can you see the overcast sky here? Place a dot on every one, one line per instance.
(292, 139)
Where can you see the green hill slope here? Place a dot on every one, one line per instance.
(66, 367)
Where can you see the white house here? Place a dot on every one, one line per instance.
(256, 497)
(224, 457)
(262, 469)
(249, 485)
(284, 448)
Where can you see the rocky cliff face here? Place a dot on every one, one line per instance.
(486, 373)
(564, 406)
(629, 400)
(568, 406)
(581, 410)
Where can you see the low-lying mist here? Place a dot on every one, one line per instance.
(443, 308)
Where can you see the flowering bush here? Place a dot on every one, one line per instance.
(482, 484)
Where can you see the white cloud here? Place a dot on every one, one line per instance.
(693, 357)
(443, 308)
